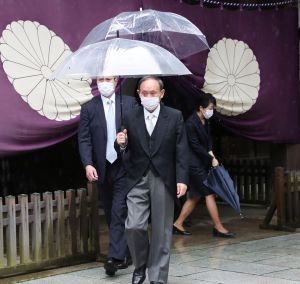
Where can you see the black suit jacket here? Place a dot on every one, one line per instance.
(200, 143)
(165, 151)
(92, 132)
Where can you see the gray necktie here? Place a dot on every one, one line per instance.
(150, 124)
(111, 154)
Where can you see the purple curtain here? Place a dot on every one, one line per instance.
(25, 64)
(24, 27)
(272, 36)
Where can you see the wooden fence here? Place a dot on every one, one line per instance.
(252, 178)
(286, 201)
(59, 228)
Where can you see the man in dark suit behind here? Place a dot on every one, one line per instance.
(100, 119)
(155, 145)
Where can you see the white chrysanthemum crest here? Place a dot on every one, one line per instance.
(30, 52)
(232, 75)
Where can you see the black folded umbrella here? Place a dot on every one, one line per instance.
(221, 184)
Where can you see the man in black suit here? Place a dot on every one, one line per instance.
(155, 159)
(100, 119)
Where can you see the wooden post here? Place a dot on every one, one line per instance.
(48, 228)
(234, 174)
(60, 223)
(297, 198)
(247, 185)
(72, 221)
(36, 228)
(1, 235)
(279, 191)
(268, 180)
(93, 197)
(239, 184)
(253, 181)
(290, 181)
(279, 203)
(260, 186)
(83, 220)
(11, 237)
(24, 229)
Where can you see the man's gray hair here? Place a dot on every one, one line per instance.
(157, 79)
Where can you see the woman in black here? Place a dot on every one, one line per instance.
(202, 159)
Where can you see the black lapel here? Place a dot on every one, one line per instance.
(160, 129)
(199, 125)
(118, 112)
(99, 114)
(141, 129)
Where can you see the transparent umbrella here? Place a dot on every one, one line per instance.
(171, 31)
(120, 57)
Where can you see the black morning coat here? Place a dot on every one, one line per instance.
(165, 152)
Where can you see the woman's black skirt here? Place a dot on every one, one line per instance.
(196, 187)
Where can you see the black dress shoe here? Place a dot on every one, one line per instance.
(177, 231)
(219, 234)
(139, 275)
(121, 264)
(116, 264)
(110, 267)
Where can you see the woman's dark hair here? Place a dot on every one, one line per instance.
(204, 99)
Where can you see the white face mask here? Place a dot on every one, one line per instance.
(208, 113)
(150, 103)
(106, 89)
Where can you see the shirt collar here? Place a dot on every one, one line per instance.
(155, 112)
(105, 99)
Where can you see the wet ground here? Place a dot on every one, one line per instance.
(254, 256)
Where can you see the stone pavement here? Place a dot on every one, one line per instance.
(254, 256)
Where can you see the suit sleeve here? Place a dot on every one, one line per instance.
(84, 138)
(196, 146)
(118, 148)
(182, 164)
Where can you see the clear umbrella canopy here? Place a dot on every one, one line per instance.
(169, 30)
(120, 57)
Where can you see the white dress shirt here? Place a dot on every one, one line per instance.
(148, 115)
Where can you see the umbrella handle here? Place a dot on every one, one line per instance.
(121, 106)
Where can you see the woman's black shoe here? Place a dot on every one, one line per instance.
(219, 234)
(177, 231)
